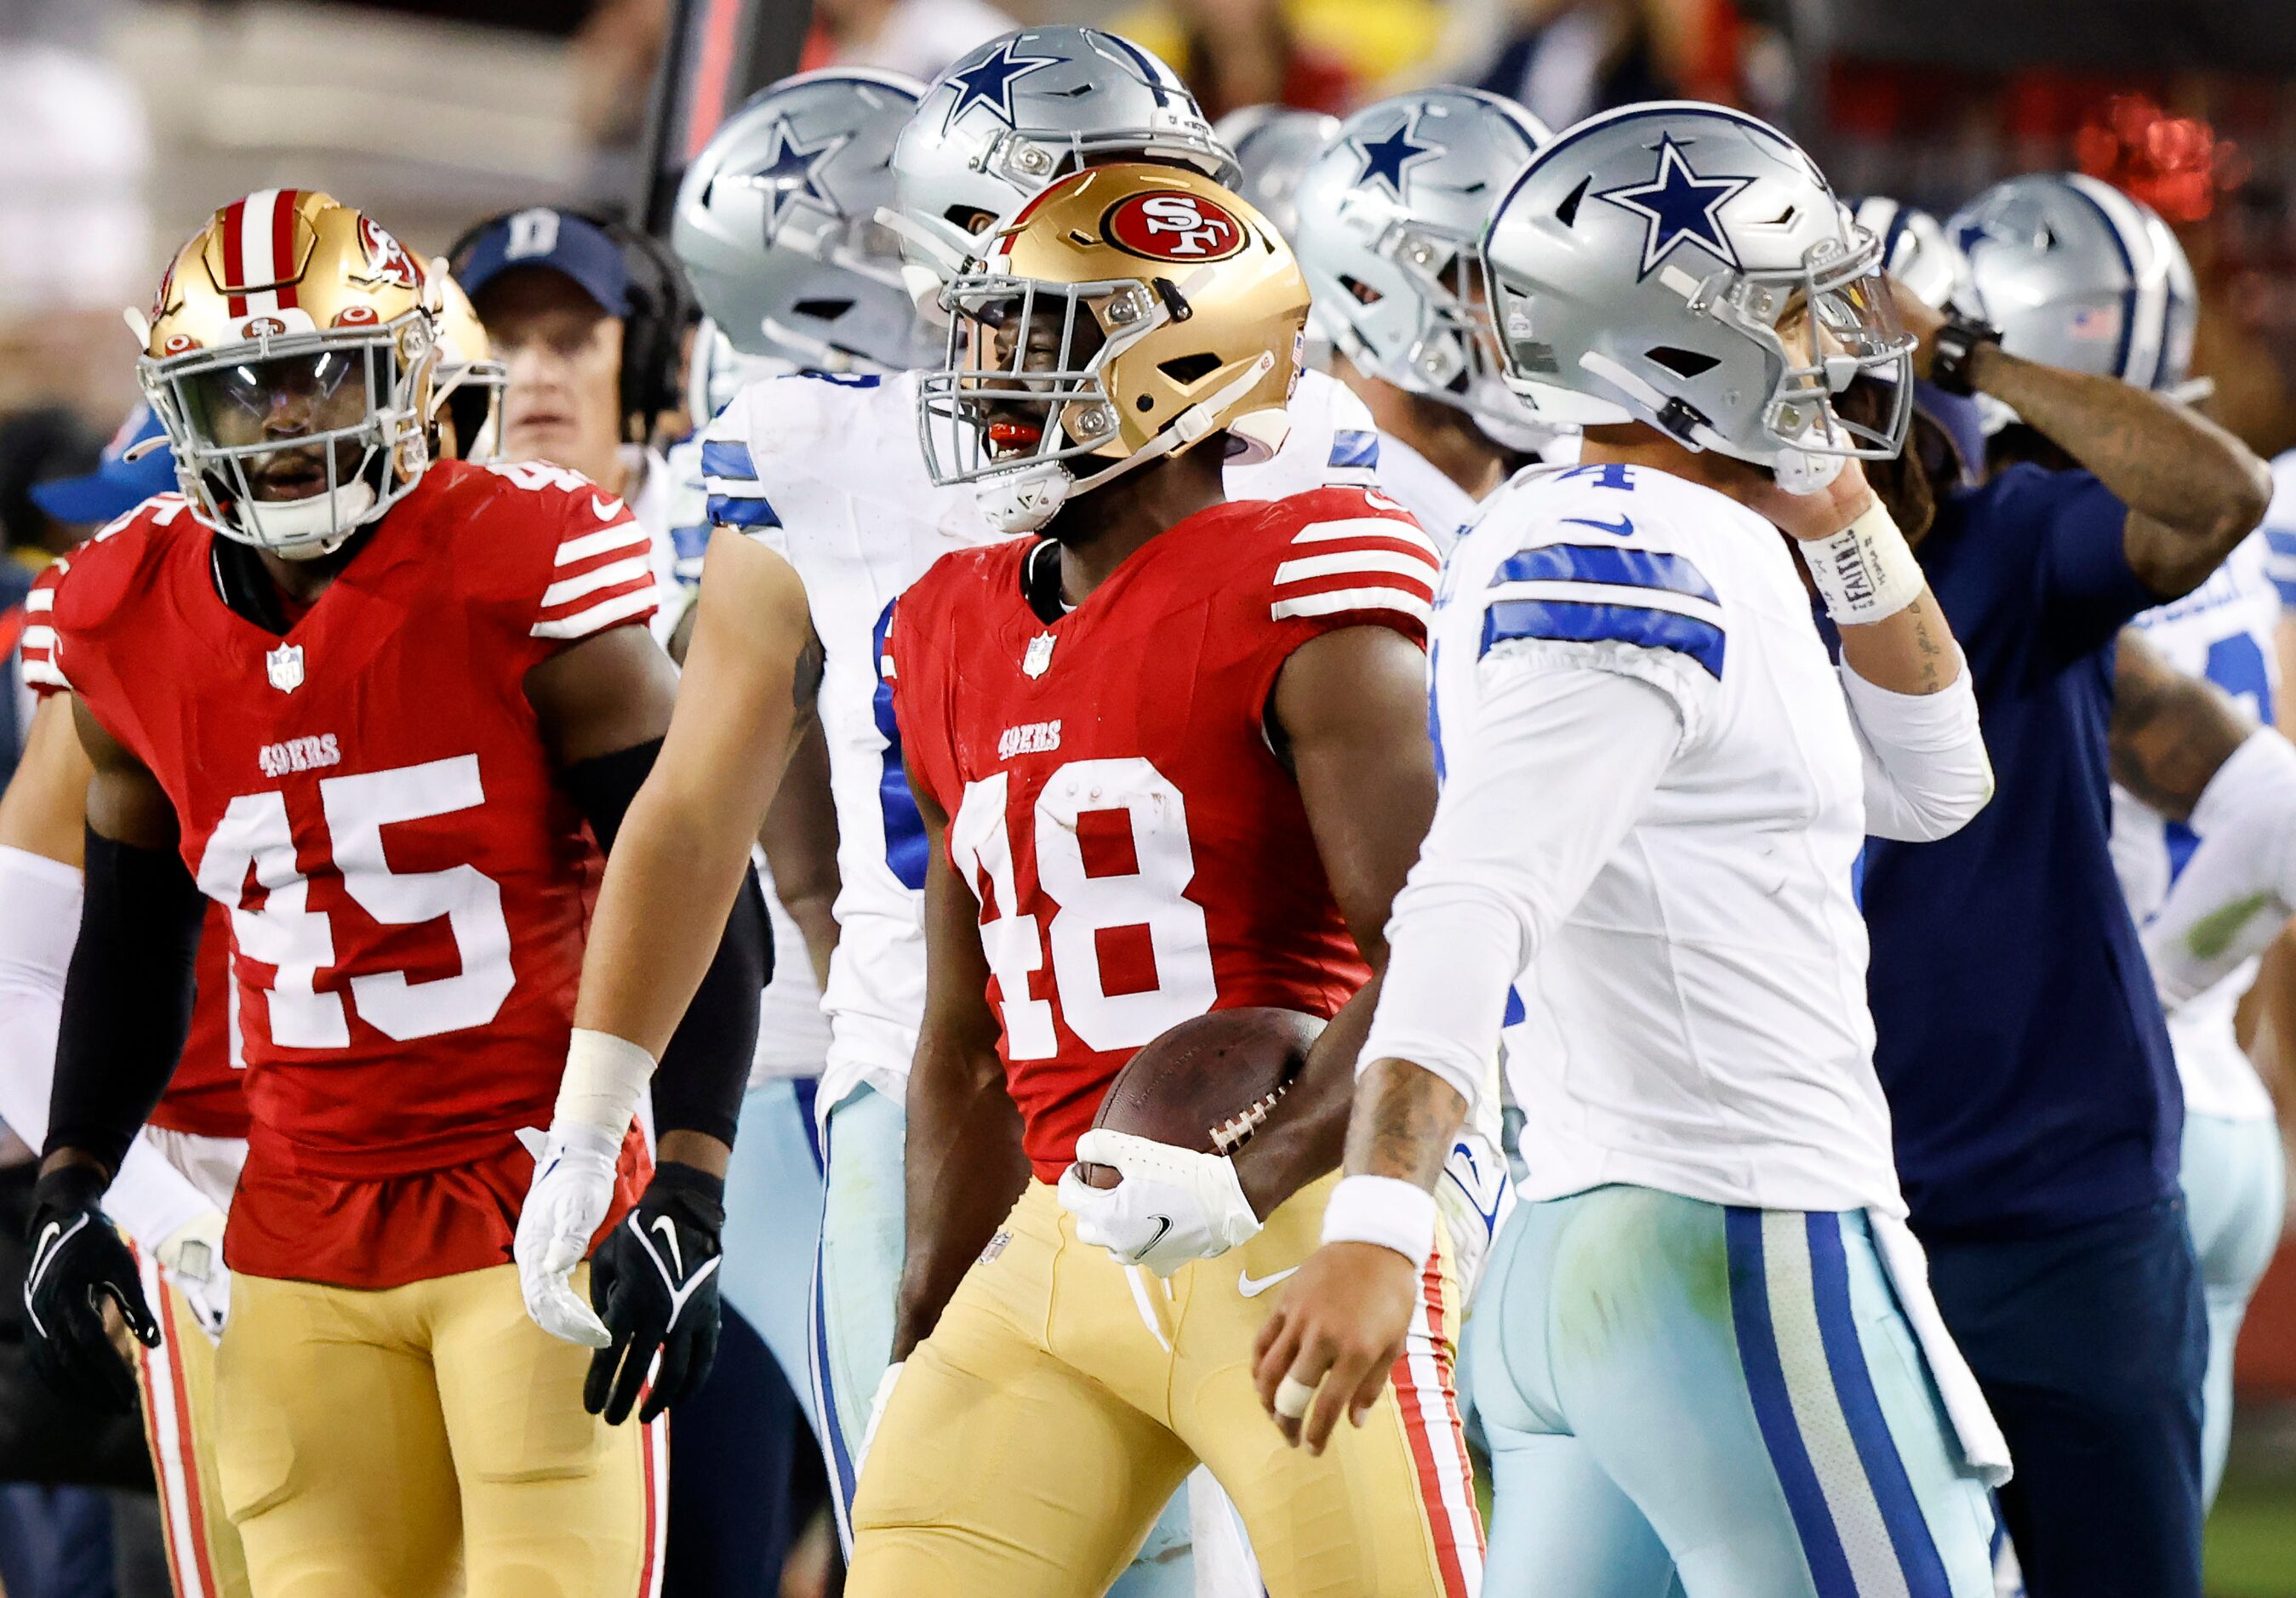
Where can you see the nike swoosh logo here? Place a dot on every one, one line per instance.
(1163, 1225)
(1252, 1289)
(605, 508)
(667, 1228)
(1621, 528)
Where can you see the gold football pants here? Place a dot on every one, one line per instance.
(177, 1380)
(426, 1439)
(1033, 1438)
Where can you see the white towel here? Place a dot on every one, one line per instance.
(1983, 1449)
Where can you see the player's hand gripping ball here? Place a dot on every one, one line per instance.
(1155, 1183)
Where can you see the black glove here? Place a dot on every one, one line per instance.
(654, 1282)
(76, 1259)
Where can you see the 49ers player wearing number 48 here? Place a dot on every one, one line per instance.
(366, 703)
(1171, 758)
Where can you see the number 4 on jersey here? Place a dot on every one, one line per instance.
(255, 838)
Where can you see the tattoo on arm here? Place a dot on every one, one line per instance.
(1404, 1121)
(2169, 733)
(1935, 657)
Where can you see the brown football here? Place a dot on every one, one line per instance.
(1208, 1084)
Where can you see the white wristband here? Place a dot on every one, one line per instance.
(606, 1079)
(1866, 572)
(1385, 1210)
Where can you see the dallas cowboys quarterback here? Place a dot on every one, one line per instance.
(1704, 1349)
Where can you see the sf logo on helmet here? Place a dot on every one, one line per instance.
(1169, 225)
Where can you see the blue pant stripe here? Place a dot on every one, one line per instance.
(1869, 1429)
(1766, 1385)
(842, 1477)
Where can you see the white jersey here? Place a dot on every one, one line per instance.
(2224, 631)
(2280, 528)
(1424, 489)
(830, 472)
(649, 483)
(1695, 1020)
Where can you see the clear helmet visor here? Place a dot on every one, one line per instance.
(276, 429)
(292, 443)
(1826, 324)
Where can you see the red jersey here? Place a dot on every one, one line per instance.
(203, 1097)
(369, 796)
(1140, 854)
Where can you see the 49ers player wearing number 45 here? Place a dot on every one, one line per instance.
(1171, 758)
(366, 703)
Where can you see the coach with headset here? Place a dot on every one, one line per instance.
(589, 318)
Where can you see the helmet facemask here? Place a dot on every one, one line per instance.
(294, 441)
(1824, 325)
(1026, 390)
(1453, 354)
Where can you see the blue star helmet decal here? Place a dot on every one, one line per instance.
(991, 84)
(1387, 159)
(1678, 204)
(788, 175)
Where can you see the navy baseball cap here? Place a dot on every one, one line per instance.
(117, 486)
(571, 245)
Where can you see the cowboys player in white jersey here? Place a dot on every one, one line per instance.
(1389, 215)
(1704, 1348)
(2061, 261)
(826, 512)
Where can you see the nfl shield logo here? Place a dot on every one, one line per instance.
(1039, 661)
(284, 667)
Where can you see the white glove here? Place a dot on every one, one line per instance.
(573, 1187)
(192, 1258)
(1173, 1206)
(877, 1411)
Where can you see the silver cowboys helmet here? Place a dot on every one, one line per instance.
(1390, 216)
(1669, 262)
(1916, 252)
(2075, 274)
(777, 225)
(1273, 145)
(1018, 113)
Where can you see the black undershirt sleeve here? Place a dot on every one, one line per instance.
(128, 997)
(699, 1086)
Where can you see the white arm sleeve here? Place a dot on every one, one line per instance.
(1561, 763)
(149, 1199)
(39, 922)
(1926, 770)
(2238, 886)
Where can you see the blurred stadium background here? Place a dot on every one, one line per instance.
(123, 122)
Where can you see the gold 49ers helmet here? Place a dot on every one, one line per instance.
(1125, 314)
(467, 388)
(291, 354)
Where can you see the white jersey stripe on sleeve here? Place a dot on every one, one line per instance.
(590, 582)
(1417, 606)
(1349, 560)
(1368, 527)
(40, 599)
(616, 608)
(622, 534)
(38, 636)
(45, 676)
